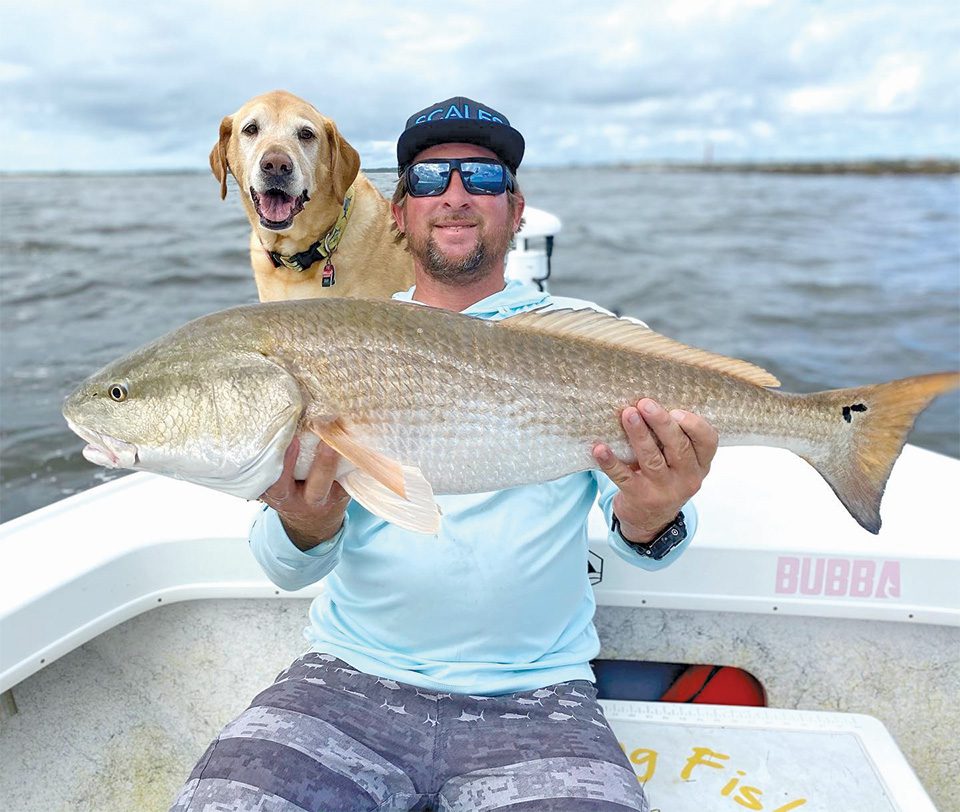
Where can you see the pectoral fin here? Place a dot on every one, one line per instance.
(395, 492)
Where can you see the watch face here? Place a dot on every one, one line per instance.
(674, 533)
(671, 537)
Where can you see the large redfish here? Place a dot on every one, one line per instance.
(419, 400)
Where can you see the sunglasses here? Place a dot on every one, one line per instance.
(480, 176)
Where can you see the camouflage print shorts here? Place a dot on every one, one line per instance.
(327, 737)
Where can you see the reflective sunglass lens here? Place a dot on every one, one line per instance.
(484, 178)
(428, 179)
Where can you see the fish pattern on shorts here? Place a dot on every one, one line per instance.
(326, 736)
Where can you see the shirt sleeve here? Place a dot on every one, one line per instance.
(285, 564)
(607, 491)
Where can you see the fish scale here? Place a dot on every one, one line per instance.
(419, 401)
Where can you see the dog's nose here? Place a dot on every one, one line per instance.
(276, 164)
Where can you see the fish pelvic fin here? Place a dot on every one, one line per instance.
(418, 511)
(395, 492)
(386, 471)
(878, 419)
(633, 336)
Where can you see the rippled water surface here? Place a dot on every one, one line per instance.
(826, 281)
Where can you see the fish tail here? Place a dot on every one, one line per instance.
(870, 427)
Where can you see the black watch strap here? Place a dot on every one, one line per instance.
(672, 535)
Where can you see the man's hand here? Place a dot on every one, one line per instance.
(312, 510)
(674, 451)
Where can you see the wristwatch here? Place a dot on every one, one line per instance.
(670, 537)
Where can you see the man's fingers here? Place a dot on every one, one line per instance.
(290, 458)
(316, 487)
(618, 471)
(642, 440)
(280, 491)
(702, 435)
(677, 448)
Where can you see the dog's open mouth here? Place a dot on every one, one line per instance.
(276, 208)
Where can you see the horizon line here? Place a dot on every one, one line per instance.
(927, 165)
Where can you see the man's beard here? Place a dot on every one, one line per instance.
(450, 270)
(490, 251)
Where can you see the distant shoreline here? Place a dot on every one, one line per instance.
(899, 166)
(933, 166)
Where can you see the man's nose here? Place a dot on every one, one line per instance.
(456, 193)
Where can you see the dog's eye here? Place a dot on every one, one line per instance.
(251, 128)
(306, 134)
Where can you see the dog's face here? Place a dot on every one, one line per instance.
(284, 154)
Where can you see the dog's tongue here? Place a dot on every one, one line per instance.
(276, 206)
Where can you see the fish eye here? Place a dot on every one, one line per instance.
(306, 134)
(117, 392)
(251, 129)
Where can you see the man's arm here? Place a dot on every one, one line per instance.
(298, 542)
(674, 451)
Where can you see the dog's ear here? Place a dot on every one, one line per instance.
(218, 155)
(344, 162)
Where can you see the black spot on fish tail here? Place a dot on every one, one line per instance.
(859, 464)
(856, 407)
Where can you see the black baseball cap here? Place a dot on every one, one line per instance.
(460, 119)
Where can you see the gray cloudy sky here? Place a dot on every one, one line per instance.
(100, 85)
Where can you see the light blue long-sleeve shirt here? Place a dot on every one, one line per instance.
(499, 602)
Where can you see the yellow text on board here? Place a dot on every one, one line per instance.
(701, 759)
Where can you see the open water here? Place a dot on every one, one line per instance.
(826, 281)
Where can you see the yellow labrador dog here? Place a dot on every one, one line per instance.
(320, 227)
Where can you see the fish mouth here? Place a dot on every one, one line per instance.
(276, 209)
(102, 449)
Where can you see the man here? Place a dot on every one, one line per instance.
(452, 671)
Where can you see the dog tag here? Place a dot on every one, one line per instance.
(329, 275)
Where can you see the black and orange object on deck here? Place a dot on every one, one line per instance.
(643, 681)
(715, 685)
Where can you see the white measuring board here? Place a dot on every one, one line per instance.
(691, 758)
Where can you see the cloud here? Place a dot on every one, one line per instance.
(102, 85)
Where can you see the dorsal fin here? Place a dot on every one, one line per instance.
(624, 334)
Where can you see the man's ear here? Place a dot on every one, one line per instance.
(519, 204)
(218, 155)
(398, 216)
(344, 162)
